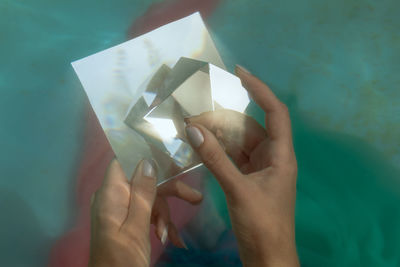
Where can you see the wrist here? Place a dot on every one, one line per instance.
(285, 258)
(265, 250)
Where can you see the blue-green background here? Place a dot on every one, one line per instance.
(334, 63)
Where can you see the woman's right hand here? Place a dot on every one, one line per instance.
(260, 186)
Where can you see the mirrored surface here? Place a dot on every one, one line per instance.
(194, 87)
(116, 78)
(141, 95)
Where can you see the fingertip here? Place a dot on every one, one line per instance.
(209, 119)
(161, 229)
(114, 173)
(145, 172)
(195, 135)
(179, 189)
(214, 156)
(183, 243)
(164, 235)
(246, 79)
(175, 237)
(197, 196)
(112, 165)
(197, 193)
(240, 70)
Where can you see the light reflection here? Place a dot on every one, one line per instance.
(195, 87)
(149, 97)
(164, 127)
(224, 84)
(140, 97)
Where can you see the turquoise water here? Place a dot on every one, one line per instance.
(335, 64)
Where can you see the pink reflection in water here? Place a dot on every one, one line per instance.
(162, 13)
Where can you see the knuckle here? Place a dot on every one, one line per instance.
(115, 191)
(283, 108)
(288, 169)
(143, 202)
(151, 185)
(146, 189)
(118, 188)
(176, 188)
(105, 219)
(132, 234)
(212, 158)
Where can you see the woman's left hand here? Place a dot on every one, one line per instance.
(122, 212)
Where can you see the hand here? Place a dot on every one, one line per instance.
(261, 188)
(122, 212)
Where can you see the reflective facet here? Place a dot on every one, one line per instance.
(196, 88)
(141, 104)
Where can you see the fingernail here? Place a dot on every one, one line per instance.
(195, 136)
(242, 69)
(164, 235)
(197, 192)
(148, 169)
(183, 242)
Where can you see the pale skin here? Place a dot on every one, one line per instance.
(122, 212)
(255, 166)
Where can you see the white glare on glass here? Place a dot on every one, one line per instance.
(141, 91)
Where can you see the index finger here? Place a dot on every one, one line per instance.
(277, 120)
(239, 133)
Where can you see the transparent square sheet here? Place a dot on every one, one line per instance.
(142, 90)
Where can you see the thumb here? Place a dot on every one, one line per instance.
(213, 156)
(143, 194)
